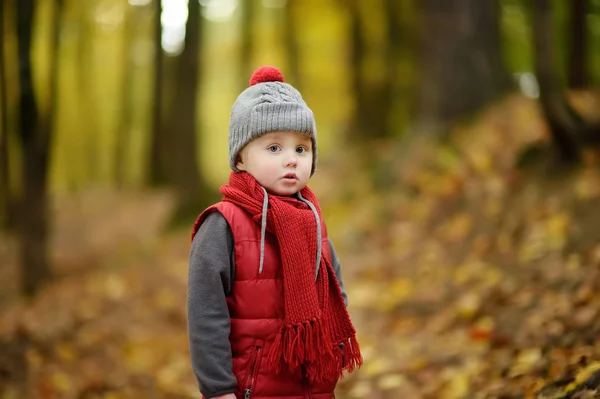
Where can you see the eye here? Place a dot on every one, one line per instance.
(301, 150)
(273, 148)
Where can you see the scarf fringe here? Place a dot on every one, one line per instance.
(352, 356)
(294, 347)
(332, 366)
(299, 344)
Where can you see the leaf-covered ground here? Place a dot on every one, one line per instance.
(467, 277)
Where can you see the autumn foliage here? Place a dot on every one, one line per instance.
(472, 272)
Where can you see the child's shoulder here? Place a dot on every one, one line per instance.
(226, 210)
(212, 212)
(223, 207)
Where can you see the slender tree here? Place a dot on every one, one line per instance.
(35, 132)
(86, 89)
(174, 156)
(392, 51)
(578, 47)
(158, 139)
(123, 140)
(357, 55)
(373, 95)
(5, 194)
(460, 61)
(184, 166)
(568, 130)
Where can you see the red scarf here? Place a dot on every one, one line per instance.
(316, 320)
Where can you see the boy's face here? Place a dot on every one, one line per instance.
(281, 162)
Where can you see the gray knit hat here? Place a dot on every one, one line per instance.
(269, 105)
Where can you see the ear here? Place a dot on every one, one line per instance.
(240, 164)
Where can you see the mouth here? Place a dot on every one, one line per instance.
(290, 177)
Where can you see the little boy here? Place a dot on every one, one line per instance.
(267, 311)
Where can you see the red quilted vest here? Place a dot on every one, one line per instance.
(256, 309)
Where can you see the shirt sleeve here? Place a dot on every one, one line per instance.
(338, 271)
(209, 281)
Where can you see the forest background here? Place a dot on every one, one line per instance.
(458, 173)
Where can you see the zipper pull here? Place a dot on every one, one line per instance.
(247, 393)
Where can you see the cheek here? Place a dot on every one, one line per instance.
(307, 166)
(308, 160)
(268, 165)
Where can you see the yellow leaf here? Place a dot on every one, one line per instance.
(557, 226)
(114, 286)
(364, 295)
(456, 228)
(61, 382)
(468, 305)
(482, 162)
(361, 390)
(391, 381)
(376, 366)
(66, 351)
(401, 288)
(525, 362)
(587, 186)
(458, 387)
(166, 300)
(586, 372)
(485, 323)
(139, 356)
(418, 362)
(396, 292)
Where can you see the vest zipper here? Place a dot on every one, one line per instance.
(251, 379)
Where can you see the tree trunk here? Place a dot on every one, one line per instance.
(389, 88)
(124, 138)
(158, 165)
(578, 46)
(87, 91)
(5, 193)
(247, 37)
(373, 96)
(461, 65)
(291, 44)
(183, 159)
(564, 123)
(358, 44)
(35, 135)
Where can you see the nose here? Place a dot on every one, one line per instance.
(292, 160)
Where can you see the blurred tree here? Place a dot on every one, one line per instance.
(35, 131)
(569, 131)
(373, 91)
(393, 52)
(158, 174)
(461, 67)
(5, 194)
(247, 45)
(86, 86)
(291, 43)
(131, 21)
(578, 46)
(177, 152)
(190, 185)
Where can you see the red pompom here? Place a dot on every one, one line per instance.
(266, 74)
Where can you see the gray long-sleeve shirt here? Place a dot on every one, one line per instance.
(211, 274)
